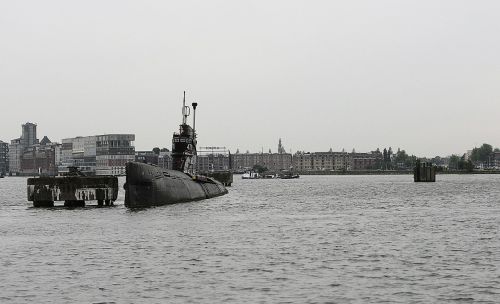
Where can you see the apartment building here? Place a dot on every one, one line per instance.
(333, 161)
(4, 158)
(100, 154)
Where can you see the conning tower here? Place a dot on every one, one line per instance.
(184, 142)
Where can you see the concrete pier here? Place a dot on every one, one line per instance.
(75, 191)
(424, 172)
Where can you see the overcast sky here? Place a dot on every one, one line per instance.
(420, 75)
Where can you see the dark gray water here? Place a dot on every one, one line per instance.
(318, 239)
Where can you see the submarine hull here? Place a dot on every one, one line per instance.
(147, 186)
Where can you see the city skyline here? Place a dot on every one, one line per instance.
(278, 148)
(421, 76)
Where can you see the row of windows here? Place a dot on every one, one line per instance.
(114, 143)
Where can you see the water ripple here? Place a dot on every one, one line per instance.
(318, 239)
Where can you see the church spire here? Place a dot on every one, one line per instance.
(281, 149)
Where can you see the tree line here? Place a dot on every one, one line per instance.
(483, 155)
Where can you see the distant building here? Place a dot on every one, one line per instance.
(272, 161)
(147, 157)
(28, 137)
(212, 159)
(303, 161)
(322, 161)
(40, 159)
(212, 162)
(16, 150)
(281, 149)
(365, 161)
(496, 160)
(66, 154)
(165, 159)
(334, 161)
(113, 151)
(19, 145)
(468, 155)
(100, 154)
(80, 152)
(4, 158)
(45, 141)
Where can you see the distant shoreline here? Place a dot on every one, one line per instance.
(370, 172)
(356, 172)
(381, 172)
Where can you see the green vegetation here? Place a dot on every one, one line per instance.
(455, 162)
(394, 161)
(157, 150)
(483, 157)
(460, 163)
(482, 154)
(403, 160)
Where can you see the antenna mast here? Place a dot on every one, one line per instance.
(184, 110)
(194, 104)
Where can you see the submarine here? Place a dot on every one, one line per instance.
(148, 185)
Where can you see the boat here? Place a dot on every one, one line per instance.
(288, 175)
(250, 175)
(269, 176)
(149, 185)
